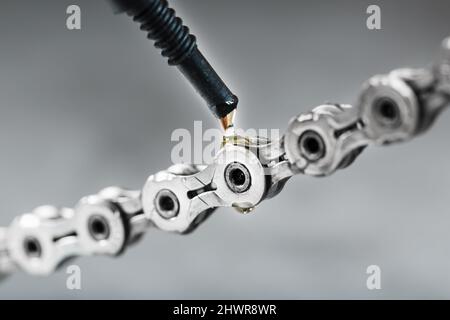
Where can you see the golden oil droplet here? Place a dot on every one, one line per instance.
(232, 138)
(244, 210)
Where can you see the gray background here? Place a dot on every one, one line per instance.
(81, 110)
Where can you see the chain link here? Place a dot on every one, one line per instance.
(40, 241)
(6, 265)
(391, 108)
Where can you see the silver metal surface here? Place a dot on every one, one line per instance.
(322, 141)
(442, 69)
(40, 241)
(6, 265)
(247, 170)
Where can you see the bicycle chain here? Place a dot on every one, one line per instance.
(391, 108)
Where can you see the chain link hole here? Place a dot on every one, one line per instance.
(32, 247)
(98, 227)
(386, 112)
(237, 177)
(312, 146)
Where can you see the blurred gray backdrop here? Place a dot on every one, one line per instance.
(81, 110)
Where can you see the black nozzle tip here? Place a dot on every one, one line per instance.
(221, 109)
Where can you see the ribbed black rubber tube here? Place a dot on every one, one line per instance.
(180, 48)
